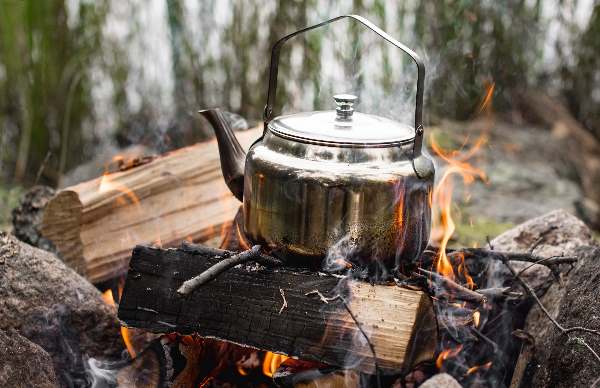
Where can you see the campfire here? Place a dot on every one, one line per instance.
(237, 315)
(211, 293)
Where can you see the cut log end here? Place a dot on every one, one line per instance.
(61, 224)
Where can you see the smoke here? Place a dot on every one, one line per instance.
(101, 374)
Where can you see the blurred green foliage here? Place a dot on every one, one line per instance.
(9, 199)
(45, 87)
(71, 69)
(580, 72)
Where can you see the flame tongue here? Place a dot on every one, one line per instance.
(458, 164)
(108, 298)
(271, 362)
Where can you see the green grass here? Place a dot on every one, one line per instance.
(9, 199)
(474, 231)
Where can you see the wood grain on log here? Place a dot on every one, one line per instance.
(244, 306)
(179, 195)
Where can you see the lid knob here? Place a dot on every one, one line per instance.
(345, 106)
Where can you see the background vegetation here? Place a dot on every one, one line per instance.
(76, 74)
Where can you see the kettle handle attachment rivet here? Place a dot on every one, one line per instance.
(345, 106)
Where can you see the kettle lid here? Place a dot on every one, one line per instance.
(342, 127)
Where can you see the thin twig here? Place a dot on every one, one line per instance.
(519, 256)
(284, 305)
(536, 244)
(321, 296)
(358, 325)
(213, 272)
(360, 328)
(582, 342)
(499, 293)
(461, 292)
(552, 260)
(489, 242)
(42, 167)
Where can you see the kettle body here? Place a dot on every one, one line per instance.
(314, 202)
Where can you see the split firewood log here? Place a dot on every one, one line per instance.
(163, 200)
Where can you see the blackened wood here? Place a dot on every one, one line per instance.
(243, 306)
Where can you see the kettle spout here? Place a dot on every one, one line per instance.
(233, 156)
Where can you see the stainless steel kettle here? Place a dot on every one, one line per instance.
(337, 184)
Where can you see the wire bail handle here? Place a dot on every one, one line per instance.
(273, 70)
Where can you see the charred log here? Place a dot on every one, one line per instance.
(244, 306)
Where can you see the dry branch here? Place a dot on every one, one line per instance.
(217, 269)
(454, 289)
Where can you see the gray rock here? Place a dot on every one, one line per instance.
(557, 233)
(56, 308)
(558, 360)
(441, 380)
(27, 217)
(24, 364)
(563, 360)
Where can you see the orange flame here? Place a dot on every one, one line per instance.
(108, 298)
(475, 368)
(446, 354)
(476, 318)
(458, 164)
(244, 244)
(126, 335)
(271, 362)
(107, 183)
(486, 101)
